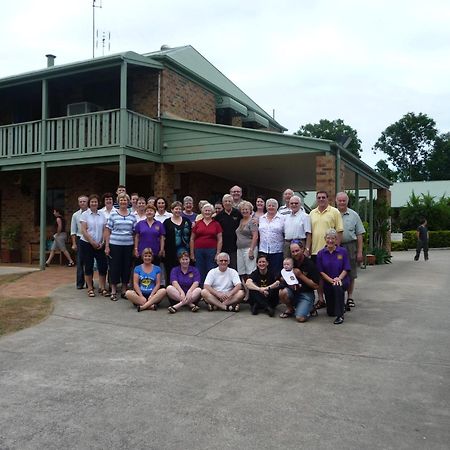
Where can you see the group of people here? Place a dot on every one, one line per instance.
(226, 254)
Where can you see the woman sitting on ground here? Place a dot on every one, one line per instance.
(184, 285)
(147, 293)
(59, 238)
(334, 267)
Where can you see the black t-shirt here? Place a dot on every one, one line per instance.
(262, 280)
(309, 269)
(423, 233)
(229, 224)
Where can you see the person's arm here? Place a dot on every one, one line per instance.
(219, 244)
(73, 231)
(162, 245)
(157, 285)
(194, 286)
(308, 244)
(235, 290)
(417, 234)
(339, 238)
(191, 246)
(305, 280)
(136, 245)
(359, 251)
(107, 236)
(177, 286)
(58, 225)
(86, 235)
(253, 243)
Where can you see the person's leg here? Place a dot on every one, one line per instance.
(80, 268)
(275, 261)
(115, 268)
(154, 300)
(127, 255)
(212, 300)
(286, 298)
(102, 267)
(418, 250)
(235, 299)
(87, 256)
(330, 300)
(339, 301)
(174, 297)
(233, 260)
(134, 298)
(425, 250)
(305, 302)
(200, 263)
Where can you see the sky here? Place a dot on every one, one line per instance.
(367, 62)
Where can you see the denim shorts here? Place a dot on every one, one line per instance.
(303, 302)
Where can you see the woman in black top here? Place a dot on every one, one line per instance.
(59, 238)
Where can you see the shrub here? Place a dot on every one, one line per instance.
(438, 239)
(398, 246)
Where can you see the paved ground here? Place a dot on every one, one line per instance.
(97, 374)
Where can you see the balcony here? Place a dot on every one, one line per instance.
(82, 132)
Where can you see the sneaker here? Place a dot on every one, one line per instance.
(254, 309)
(339, 320)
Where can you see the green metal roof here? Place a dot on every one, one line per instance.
(228, 102)
(188, 59)
(81, 66)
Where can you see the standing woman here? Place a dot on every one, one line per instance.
(119, 244)
(146, 293)
(108, 201)
(161, 210)
(178, 235)
(59, 238)
(206, 242)
(260, 207)
(247, 241)
(140, 209)
(93, 223)
(149, 233)
(334, 266)
(271, 235)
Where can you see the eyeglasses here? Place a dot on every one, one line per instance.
(321, 198)
(293, 203)
(223, 260)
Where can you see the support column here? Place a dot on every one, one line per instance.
(164, 181)
(43, 216)
(370, 215)
(123, 106)
(123, 170)
(326, 176)
(356, 205)
(384, 195)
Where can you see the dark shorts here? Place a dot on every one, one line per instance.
(352, 248)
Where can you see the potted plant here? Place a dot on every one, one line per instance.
(11, 244)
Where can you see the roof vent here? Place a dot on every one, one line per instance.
(50, 60)
(165, 47)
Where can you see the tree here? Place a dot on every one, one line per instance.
(335, 130)
(383, 168)
(438, 165)
(408, 144)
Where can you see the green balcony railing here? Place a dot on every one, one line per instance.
(80, 132)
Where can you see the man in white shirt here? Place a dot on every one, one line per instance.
(297, 225)
(75, 235)
(287, 194)
(222, 288)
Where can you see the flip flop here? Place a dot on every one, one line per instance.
(91, 293)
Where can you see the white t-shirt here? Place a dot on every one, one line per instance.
(222, 281)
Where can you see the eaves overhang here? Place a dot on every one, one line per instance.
(81, 66)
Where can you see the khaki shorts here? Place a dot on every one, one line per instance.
(352, 248)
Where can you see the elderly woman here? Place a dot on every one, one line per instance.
(146, 293)
(178, 235)
(188, 211)
(206, 242)
(92, 223)
(119, 245)
(247, 241)
(334, 266)
(271, 235)
(184, 285)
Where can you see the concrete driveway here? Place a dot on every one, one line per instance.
(98, 375)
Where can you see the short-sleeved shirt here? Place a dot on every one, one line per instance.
(147, 280)
(122, 228)
(423, 233)
(309, 269)
(244, 234)
(95, 223)
(271, 234)
(321, 222)
(185, 280)
(222, 281)
(162, 217)
(296, 225)
(149, 236)
(353, 226)
(262, 280)
(229, 222)
(334, 263)
(206, 235)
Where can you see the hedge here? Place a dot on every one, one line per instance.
(438, 239)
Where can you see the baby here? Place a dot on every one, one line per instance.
(288, 278)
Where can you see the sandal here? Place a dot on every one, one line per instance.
(286, 314)
(237, 308)
(172, 310)
(195, 308)
(71, 264)
(211, 307)
(313, 313)
(103, 292)
(113, 297)
(350, 303)
(91, 293)
(320, 304)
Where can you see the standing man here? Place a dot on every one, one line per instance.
(422, 240)
(352, 241)
(75, 235)
(229, 220)
(297, 225)
(323, 218)
(287, 194)
(236, 194)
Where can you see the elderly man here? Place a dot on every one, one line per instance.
(236, 193)
(323, 218)
(287, 194)
(229, 219)
(222, 288)
(352, 240)
(75, 235)
(297, 225)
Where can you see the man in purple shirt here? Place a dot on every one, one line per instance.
(334, 266)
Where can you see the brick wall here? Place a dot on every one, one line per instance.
(185, 99)
(143, 92)
(326, 176)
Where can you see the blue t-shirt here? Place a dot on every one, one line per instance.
(147, 281)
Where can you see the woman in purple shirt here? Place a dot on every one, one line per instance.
(149, 233)
(334, 266)
(184, 285)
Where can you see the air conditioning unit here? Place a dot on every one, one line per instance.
(81, 108)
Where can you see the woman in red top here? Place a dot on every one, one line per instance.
(206, 242)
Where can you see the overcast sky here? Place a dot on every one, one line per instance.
(366, 62)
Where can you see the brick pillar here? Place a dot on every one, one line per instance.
(385, 195)
(326, 176)
(164, 181)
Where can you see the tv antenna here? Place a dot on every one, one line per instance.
(106, 41)
(95, 4)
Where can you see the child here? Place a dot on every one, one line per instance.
(288, 279)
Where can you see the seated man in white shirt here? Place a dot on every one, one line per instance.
(222, 288)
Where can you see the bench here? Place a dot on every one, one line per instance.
(33, 253)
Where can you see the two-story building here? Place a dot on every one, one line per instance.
(164, 123)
